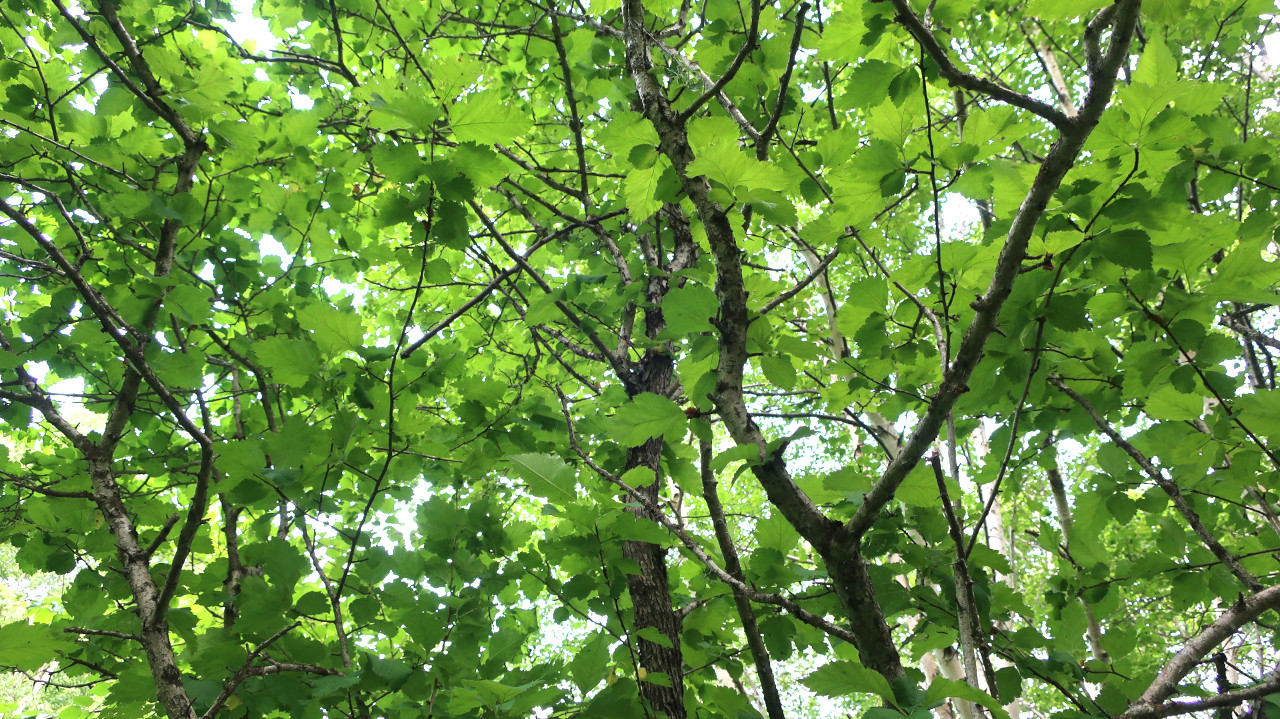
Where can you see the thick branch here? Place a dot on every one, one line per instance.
(1269, 685)
(1248, 332)
(1197, 648)
(1060, 159)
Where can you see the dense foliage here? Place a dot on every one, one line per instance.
(722, 359)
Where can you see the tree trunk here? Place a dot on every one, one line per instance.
(136, 566)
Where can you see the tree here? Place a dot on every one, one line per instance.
(582, 359)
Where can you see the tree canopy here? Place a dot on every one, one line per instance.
(412, 358)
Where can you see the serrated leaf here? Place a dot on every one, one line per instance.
(393, 670)
(841, 678)
(748, 452)
(842, 37)
(627, 130)
(545, 475)
(735, 169)
(1260, 411)
(648, 415)
(485, 119)
(717, 155)
(778, 370)
(655, 636)
(1156, 65)
(333, 330)
(29, 646)
(591, 664)
(776, 533)
(688, 310)
(640, 189)
(1166, 11)
(1127, 248)
(920, 488)
(291, 362)
(1168, 403)
(941, 688)
(1064, 9)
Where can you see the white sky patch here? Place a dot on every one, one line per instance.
(959, 215)
(268, 246)
(249, 29)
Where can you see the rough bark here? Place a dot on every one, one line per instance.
(1246, 610)
(651, 599)
(650, 589)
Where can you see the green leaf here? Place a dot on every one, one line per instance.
(842, 37)
(941, 688)
(1167, 11)
(1127, 248)
(30, 646)
(842, 678)
(626, 131)
(1168, 403)
(647, 416)
(688, 310)
(291, 362)
(718, 156)
(484, 118)
(394, 671)
(1064, 9)
(590, 665)
(748, 452)
(640, 188)
(1260, 411)
(653, 635)
(546, 476)
(332, 329)
(778, 370)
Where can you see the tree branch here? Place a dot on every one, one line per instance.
(1060, 159)
(1170, 488)
(748, 46)
(958, 77)
(1245, 610)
